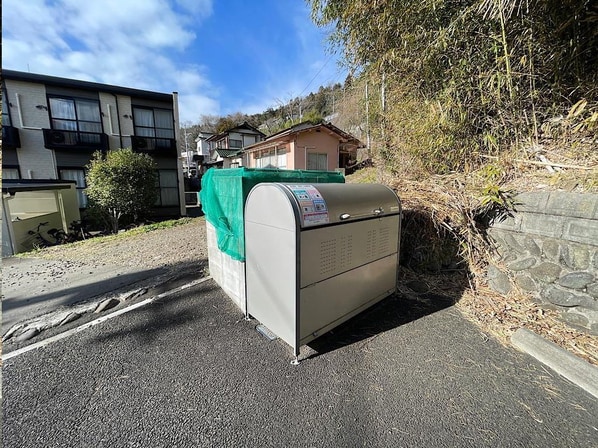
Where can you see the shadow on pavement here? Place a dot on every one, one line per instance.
(388, 314)
(431, 267)
(162, 316)
(90, 289)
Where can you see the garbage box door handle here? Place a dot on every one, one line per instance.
(375, 212)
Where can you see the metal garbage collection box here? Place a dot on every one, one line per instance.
(318, 254)
(223, 195)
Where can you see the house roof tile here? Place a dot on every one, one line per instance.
(343, 136)
(222, 152)
(243, 125)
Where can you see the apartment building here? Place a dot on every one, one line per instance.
(51, 127)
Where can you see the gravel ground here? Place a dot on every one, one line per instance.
(170, 247)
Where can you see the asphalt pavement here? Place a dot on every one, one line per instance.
(187, 370)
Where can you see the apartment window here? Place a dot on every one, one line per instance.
(78, 175)
(5, 110)
(10, 172)
(76, 114)
(168, 188)
(317, 161)
(158, 123)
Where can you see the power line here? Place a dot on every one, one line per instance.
(340, 72)
(316, 75)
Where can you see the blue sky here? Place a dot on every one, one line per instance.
(222, 56)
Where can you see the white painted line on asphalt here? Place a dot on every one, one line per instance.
(99, 320)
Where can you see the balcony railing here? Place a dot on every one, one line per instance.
(154, 145)
(61, 139)
(10, 137)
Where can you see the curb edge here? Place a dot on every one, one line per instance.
(579, 372)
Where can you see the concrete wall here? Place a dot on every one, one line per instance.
(550, 249)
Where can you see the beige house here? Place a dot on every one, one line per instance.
(322, 147)
(226, 148)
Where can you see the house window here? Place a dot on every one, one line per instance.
(75, 114)
(78, 175)
(157, 123)
(168, 188)
(275, 158)
(317, 161)
(282, 161)
(235, 143)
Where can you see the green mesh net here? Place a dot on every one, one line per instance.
(224, 191)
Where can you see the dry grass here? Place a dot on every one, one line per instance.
(501, 315)
(523, 174)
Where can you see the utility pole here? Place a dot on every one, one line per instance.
(187, 154)
(384, 142)
(367, 120)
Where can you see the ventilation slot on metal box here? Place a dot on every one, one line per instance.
(328, 257)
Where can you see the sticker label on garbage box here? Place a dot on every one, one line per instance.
(313, 206)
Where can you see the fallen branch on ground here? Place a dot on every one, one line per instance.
(548, 163)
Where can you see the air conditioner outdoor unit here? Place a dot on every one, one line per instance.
(57, 137)
(139, 142)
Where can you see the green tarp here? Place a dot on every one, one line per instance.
(224, 191)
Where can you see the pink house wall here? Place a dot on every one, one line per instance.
(316, 142)
(313, 142)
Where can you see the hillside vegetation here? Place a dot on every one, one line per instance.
(464, 103)
(454, 82)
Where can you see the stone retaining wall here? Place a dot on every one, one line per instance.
(550, 249)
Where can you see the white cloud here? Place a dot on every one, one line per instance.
(193, 106)
(132, 43)
(151, 24)
(33, 19)
(202, 7)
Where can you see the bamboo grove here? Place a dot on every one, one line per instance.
(450, 81)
